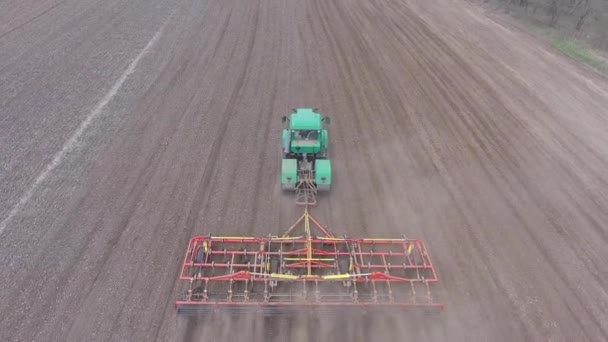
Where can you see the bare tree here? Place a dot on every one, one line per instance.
(554, 12)
(578, 4)
(581, 20)
(523, 3)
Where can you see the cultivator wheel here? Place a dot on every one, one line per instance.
(295, 274)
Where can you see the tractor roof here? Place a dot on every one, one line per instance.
(305, 119)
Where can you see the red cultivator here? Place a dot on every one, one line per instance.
(292, 274)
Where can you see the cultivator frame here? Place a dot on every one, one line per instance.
(294, 274)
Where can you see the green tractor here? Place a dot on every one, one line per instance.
(306, 168)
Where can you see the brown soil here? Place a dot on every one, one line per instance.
(446, 126)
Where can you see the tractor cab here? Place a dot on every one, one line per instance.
(305, 133)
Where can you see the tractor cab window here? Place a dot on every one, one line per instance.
(306, 135)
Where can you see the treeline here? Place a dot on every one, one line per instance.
(587, 19)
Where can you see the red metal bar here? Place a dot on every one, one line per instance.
(301, 264)
(311, 279)
(303, 252)
(300, 240)
(303, 304)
